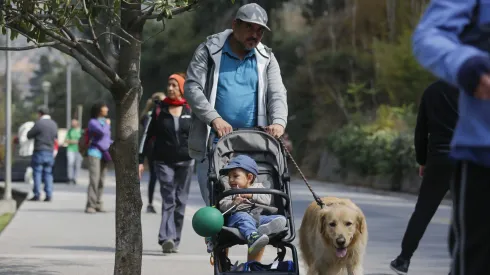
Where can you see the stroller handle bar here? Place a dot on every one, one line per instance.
(255, 191)
(213, 135)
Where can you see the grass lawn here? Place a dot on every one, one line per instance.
(4, 220)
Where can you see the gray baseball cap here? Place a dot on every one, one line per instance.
(253, 13)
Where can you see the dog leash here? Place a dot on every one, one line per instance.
(315, 196)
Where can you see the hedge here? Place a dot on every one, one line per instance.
(371, 151)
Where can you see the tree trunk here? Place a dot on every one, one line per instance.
(354, 17)
(129, 246)
(331, 24)
(391, 16)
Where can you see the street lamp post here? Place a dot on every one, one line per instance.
(46, 88)
(68, 95)
(8, 122)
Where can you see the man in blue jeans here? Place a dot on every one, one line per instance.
(44, 132)
(452, 41)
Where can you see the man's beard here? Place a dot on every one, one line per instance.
(249, 48)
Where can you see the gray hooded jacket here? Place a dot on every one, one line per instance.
(201, 88)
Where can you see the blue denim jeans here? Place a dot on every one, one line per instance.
(246, 224)
(42, 163)
(75, 160)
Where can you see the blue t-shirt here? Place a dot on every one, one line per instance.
(236, 98)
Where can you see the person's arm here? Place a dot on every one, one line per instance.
(264, 199)
(194, 86)
(149, 134)
(437, 46)
(277, 103)
(421, 136)
(226, 203)
(34, 131)
(95, 127)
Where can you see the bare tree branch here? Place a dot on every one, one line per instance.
(150, 15)
(175, 11)
(94, 37)
(118, 36)
(30, 47)
(31, 19)
(74, 44)
(87, 66)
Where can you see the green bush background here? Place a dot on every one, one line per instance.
(383, 147)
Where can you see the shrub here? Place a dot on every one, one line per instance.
(380, 148)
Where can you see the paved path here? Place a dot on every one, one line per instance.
(59, 238)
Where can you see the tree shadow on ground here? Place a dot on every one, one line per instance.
(97, 249)
(65, 210)
(80, 248)
(23, 269)
(19, 267)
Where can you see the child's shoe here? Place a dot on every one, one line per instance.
(273, 227)
(256, 242)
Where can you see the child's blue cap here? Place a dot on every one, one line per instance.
(241, 161)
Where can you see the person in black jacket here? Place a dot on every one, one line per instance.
(436, 120)
(148, 149)
(173, 165)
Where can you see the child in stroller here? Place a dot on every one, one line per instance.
(271, 171)
(246, 217)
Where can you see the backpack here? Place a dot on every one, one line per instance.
(83, 143)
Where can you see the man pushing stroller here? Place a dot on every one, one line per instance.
(246, 217)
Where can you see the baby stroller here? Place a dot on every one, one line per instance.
(270, 156)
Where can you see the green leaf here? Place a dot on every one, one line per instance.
(79, 26)
(13, 34)
(168, 13)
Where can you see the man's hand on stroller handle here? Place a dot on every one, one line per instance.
(275, 130)
(221, 127)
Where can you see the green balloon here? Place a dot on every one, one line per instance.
(207, 221)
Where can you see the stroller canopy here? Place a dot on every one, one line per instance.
(259, 145)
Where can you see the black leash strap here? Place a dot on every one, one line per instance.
(315, 196)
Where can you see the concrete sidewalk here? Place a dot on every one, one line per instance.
(59, 238)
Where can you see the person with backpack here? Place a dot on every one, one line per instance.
(98, 137)
(173, 165)
(451, 41)
(72, 151)
(151, 105)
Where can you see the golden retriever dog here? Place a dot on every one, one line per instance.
(333, 239)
